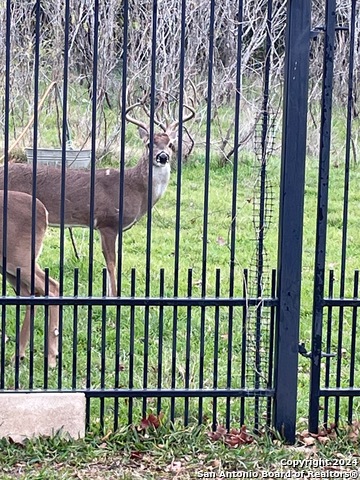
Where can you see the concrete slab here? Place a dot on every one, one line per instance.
(25, 415)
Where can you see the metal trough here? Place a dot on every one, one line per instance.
(53, 156)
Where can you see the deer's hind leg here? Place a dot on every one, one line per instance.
(53, 330)
(25, 328)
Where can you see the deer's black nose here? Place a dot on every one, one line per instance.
(162, 157)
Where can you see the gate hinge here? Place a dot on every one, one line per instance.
(306, 354)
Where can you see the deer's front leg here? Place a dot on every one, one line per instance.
(108, 244)
(25, 332)
(53, 337)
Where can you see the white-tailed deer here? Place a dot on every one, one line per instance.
(18, 255)
(107, 191)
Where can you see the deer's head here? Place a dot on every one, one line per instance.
(163, 146)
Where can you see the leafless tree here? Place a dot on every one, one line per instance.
(252, 23)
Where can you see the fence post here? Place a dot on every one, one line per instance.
(291, 215)
(322, 209)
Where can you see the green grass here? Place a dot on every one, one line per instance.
(134, 249)
(218, 257)
(191, 250)
(263, 453)
(163, 454)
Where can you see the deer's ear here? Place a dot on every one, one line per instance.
(143, 134)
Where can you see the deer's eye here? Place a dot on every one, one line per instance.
(172, 147)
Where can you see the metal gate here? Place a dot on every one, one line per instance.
(190, 334)
(334, 373)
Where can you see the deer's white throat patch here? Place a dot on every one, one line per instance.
(161, 177)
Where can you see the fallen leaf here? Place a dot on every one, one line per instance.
(322, 436)
(354, 431)
(151, 420)
(238, 437)
(308, 441)
(219, 433)
(136, 455)
(323, 440)
(233, 438)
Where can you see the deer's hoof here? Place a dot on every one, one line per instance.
(52, 361)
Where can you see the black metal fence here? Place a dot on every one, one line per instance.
(191, 333)
(334, 336)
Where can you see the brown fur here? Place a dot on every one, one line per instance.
(18, 255)
(107, 191)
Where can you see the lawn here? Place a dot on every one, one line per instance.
(173, 357)
(131, 347)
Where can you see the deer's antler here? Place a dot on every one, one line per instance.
(133, 120)
(156, 119)
(173, 126)
(164, 126)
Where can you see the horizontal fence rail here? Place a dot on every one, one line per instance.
(164, 392)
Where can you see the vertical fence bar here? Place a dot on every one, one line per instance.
(161, 340)
(33, 210)
(216, 347)
(346, 200)
(17, 330)
(5, 186)
(350, 100)
(229, 364)
(291, 215)
(132, 343)
(149, 212)
(206, 200)
(234, 200)
(64, 137)
(244, 345)
(236, 150)
(75, 330)
(339, 355)
(121, 204)
(328, 346)
(178, 200)
(265, 114)
(91, 202)
(322, 208)
(188, 347)
(271, 348)
(35, 145)
(103, 351)
(353, 346)
(46, 332)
